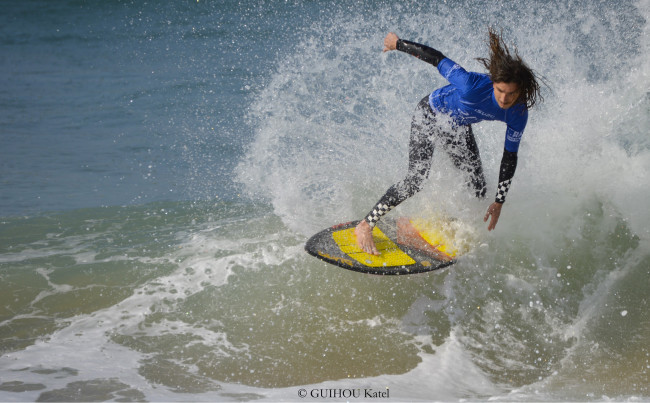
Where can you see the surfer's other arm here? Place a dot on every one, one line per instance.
(506, 173)
(422, 52)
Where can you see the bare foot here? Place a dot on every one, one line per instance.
(363, 233)
(409, 236)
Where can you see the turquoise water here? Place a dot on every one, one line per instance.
(163, 166)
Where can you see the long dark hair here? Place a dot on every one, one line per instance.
(505, 67)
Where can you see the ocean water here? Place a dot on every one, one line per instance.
(162, 165)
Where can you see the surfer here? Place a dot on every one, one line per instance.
(444, 118)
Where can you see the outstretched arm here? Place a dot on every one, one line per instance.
(422, 52)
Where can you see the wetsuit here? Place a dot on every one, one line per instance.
(444, 118)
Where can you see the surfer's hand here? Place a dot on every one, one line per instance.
(390, 42)
(493, 212)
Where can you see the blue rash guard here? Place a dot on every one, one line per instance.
(469, 98)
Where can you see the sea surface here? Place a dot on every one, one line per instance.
(163, 163)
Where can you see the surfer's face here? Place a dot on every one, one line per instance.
(506, 94)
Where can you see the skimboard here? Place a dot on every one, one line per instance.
(406, 246)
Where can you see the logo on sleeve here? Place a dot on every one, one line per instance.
(514, 136)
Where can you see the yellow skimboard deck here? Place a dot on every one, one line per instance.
(405, 246)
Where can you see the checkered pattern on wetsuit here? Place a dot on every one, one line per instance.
(379, 211)
(502, 190)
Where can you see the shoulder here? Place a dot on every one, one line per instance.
(457, 75)
(448, 67)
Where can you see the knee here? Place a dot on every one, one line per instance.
(479, 185)
(480, 193)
